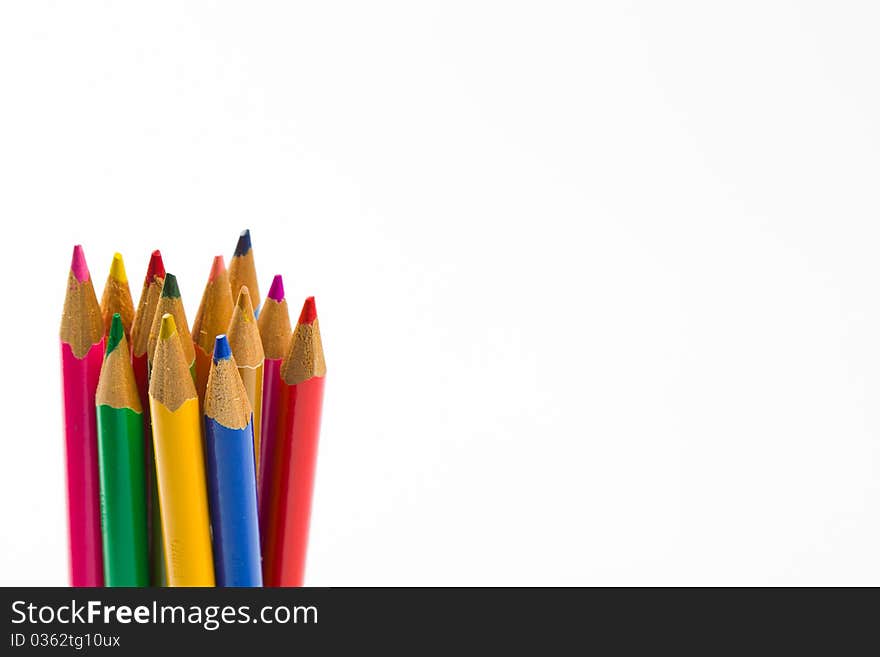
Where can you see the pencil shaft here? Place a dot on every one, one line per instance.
(201, 367)
(140, 364)
(123, 505)
(285, 561)
(182, 494)
(158, 576)
(268, 440)
(141, 378)
(80, 381)
(233, 501)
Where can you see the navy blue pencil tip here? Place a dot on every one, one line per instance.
(244, 243)
(221, 348)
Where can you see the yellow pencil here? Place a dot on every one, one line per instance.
(117, 297)
(180, 464)
(247, 350)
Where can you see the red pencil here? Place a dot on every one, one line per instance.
(143, 320)
(82, 347)
(302, 394)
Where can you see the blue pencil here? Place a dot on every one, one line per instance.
(232, 486)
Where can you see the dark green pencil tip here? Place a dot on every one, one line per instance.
(170, 289)
(116, 332)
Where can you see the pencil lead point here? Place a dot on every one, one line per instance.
(244, 301)
(117, 269)
(276, 292)
(217, 268)
(222, 351)
(168, 328)
(156, 268)
(169, 288)
(244, 243)
(78, 264)
(309, 313)
(116, 333)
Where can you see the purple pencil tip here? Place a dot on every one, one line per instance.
(276, 292)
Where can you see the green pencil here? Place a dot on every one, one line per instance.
(121, 466)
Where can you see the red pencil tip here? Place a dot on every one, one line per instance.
(217, 267)
(78, 264)
(276, 292)
(156, 268)
(308, 314)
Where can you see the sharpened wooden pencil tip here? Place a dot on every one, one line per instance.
(116, 384)
(305, 355)
(168, 328)
(244, 300)
(309, 313)
(78, 264)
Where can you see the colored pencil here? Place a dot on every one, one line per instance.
(232, 486)
(143, 321)
(211, 320)
(170, 303)
(180, 464)
(293, 472)
(82, 350)
(121, 465)
(117, 297)
(140, 340)
(243, 271)
(247, 349)
(274, 325)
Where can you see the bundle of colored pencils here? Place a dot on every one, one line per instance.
(190, 455)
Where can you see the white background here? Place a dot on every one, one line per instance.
(598, 283)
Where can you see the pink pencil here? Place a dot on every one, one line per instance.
(82, 350)
(274, 324)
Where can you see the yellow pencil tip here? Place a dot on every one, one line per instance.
(168, 327)
(117, 269)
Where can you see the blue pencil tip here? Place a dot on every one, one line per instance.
(244, 243)
(221, 348)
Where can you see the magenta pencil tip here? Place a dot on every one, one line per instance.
(276, 292)
(78, 264)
